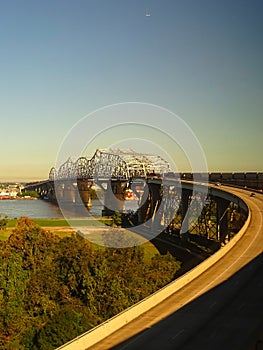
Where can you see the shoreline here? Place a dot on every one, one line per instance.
(62, 222)
(17, 199)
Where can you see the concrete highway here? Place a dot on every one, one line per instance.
(221, 309)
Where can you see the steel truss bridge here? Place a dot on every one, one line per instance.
(113, 163)
(164, 199)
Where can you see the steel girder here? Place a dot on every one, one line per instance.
(52, 174)
(111, 164)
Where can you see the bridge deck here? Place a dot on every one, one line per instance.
(199, 315)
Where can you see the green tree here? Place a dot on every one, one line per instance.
(34, 244)
(162, 270)
(65, 325)
(53, 289)
(13, 317)
(3, 221)
(32, 194)
(117, 219)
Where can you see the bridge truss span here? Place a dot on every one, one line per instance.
(113, 164)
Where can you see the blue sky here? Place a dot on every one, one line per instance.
(61, 60)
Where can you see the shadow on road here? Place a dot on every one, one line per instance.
(229, 317)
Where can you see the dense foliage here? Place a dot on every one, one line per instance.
(32, 194)
(53, 289)
(3, 221)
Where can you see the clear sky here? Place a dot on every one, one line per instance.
(60, 60)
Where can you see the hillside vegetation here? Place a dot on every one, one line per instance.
(53, 289)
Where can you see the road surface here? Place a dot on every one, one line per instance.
(221, 309)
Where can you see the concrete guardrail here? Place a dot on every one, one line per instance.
(108, 327)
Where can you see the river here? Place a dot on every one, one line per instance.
(44, 209)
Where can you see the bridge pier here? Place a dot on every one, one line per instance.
(83, 192)
(68, 193)
(155, 196)
(155, 201)
(222, 219)
(185, 200)
(149, 205)
(51, 195)
(114, 195)
(59, 192)
(144, 206)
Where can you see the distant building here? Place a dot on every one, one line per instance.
(4, 195)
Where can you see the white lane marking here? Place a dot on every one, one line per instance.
(241, 306)
(229, 267)
(212, 305)
(178, 333)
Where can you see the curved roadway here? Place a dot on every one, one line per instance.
(221, 309)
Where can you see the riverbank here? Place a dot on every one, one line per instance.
(55, 222)
(62, 231)
(11, 198)
(62, 227)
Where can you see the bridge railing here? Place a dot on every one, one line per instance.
(110, 326)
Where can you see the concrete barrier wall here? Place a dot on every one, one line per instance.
(108, 327)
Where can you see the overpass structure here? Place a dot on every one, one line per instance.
(165, 199)
(217, 304)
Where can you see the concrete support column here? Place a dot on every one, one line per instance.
(51, 195)
(51, 192)
(185, 200)
(155, 201)
(222, 219)
(69, 192)
(155, 195)
(144, 206)
(83, 192)
(149, 203)
(59, 191)
(114, 196)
